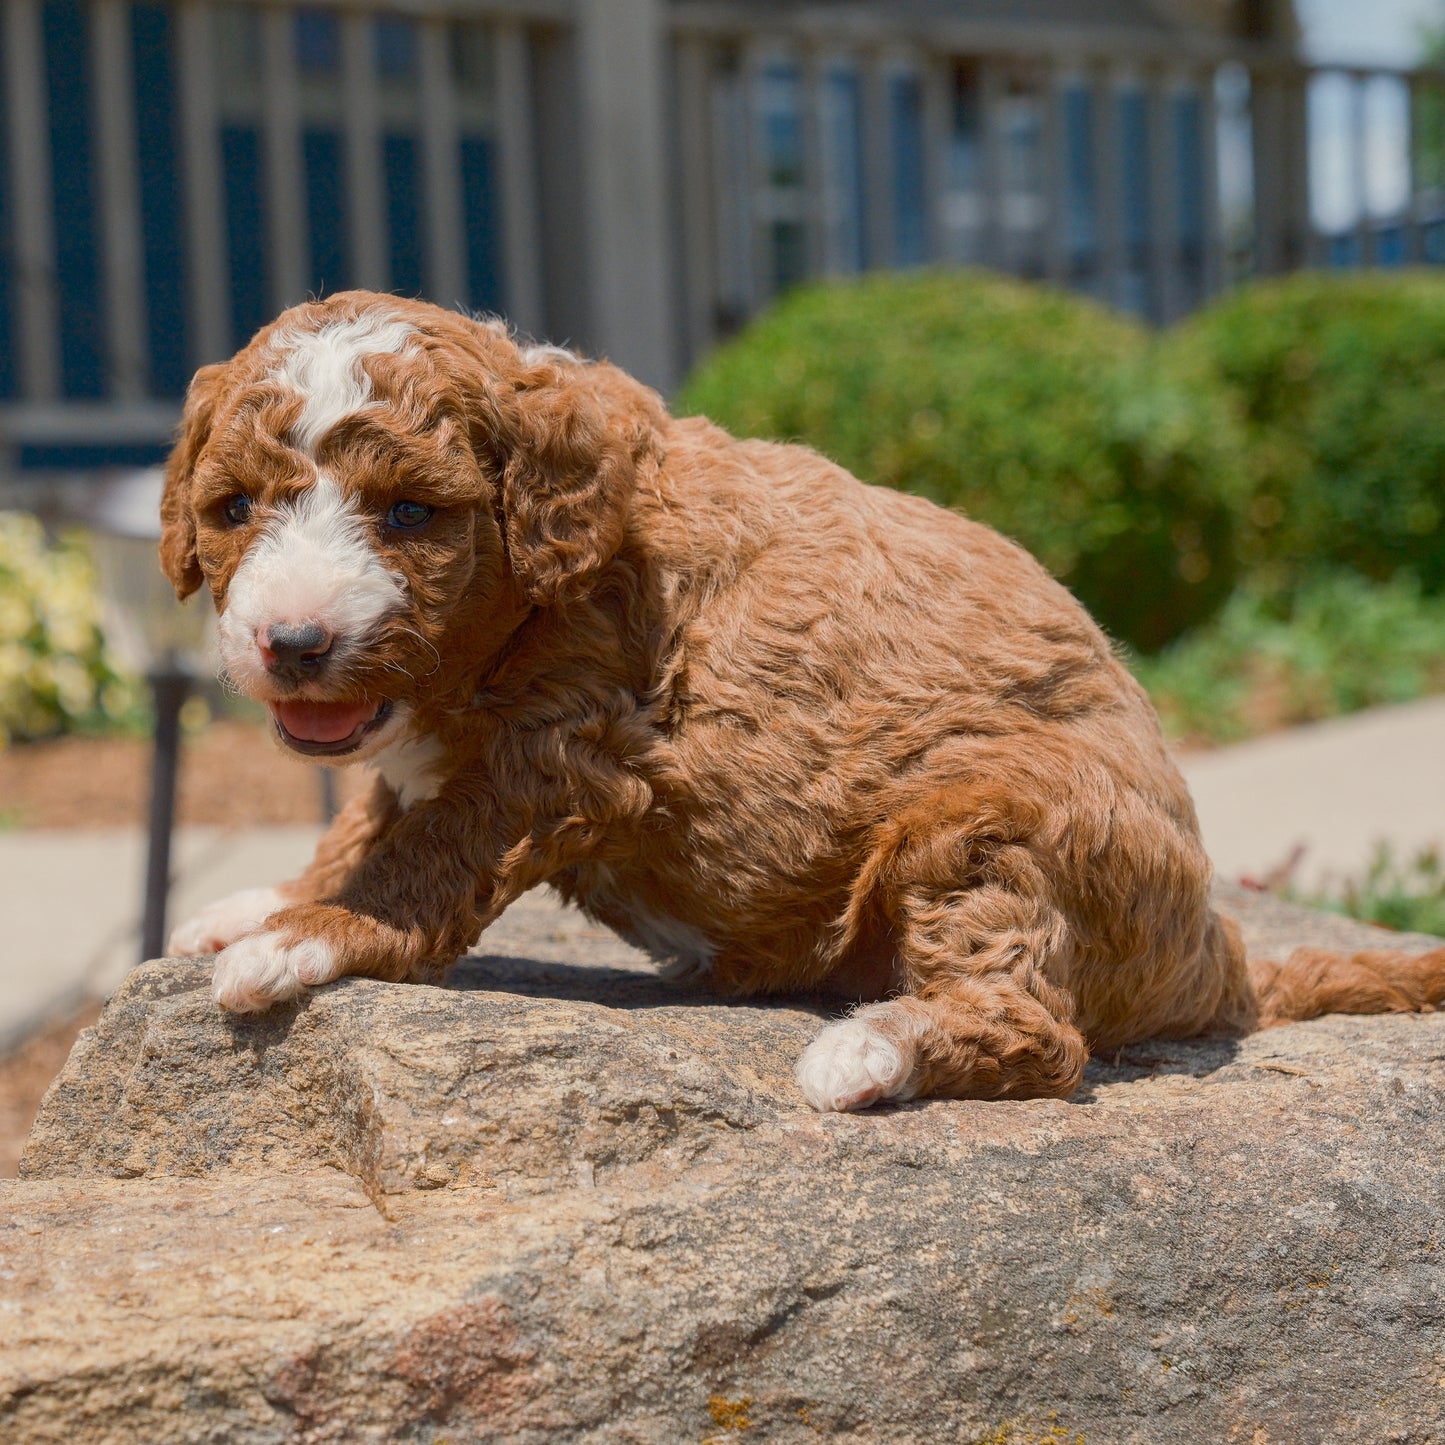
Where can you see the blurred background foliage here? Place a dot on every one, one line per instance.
(1033, 410)
(1339, 385)
(1251, 503)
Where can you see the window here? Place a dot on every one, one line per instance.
(782, 197)
(1188, 113)
(78, 282)
(318, 53)
(1136, 211)
(910, 178)
(841, 166)
(1022, 205)
(731, 163)
(473, 63)
(1080, 200)
(158, 170)
(236, 34)
(403, 183)
(962, 204)
(317, 36)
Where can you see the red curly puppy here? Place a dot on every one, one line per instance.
(782, 730)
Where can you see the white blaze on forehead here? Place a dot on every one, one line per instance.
(325, 368)
(315, 562)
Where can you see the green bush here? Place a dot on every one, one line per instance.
(1339, 643)
(54, 672)
(1038, 412)
(1340, 385)
(1404, 894)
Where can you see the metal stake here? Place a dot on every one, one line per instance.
(170, 686)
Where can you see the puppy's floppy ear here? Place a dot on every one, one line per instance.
(581, 436)
(178, 518)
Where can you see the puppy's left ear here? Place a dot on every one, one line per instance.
(582, 437)
(178, 517)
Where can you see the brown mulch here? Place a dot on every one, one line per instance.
(231, 775)
(26, 1074)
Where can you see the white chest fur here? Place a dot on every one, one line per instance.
(411, 767)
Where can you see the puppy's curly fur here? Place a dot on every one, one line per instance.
(783, 730)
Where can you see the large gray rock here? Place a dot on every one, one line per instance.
(562, 1200)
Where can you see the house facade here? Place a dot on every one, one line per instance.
(635, 177)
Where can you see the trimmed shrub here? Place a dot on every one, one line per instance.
(1339, 382)
(1035, 411)
(54, 673)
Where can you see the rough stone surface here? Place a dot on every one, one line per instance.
(561, 1200)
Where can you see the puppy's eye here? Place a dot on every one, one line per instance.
(408, 515)
(237, 510)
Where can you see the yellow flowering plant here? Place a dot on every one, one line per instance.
(55, 673)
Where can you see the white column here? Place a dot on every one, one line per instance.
(620, 58)
(695, 174)
(516, 162)
(38, 307)
(207, 270)
(127, 361)
(285, 183)
(446, 274)
(364, 191)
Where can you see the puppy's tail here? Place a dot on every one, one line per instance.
(1313, 981)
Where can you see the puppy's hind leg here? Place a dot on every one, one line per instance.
(978, 1019)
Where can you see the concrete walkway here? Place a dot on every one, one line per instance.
(72, 904)
(1336, 789)
(71, 899)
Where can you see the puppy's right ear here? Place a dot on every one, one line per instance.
(178, 517)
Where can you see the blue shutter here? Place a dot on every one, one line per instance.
(77, 237)
(910, 184)
(1081, 184)
(9, 382)
(161, 207)
(1136, 220)
(245, 203)
(406, 243)
(481, 216)
(324, 159)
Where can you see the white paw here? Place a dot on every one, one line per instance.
(223, 921)
(260, 970)
(853, 1064)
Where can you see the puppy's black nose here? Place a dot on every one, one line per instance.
(293, 649)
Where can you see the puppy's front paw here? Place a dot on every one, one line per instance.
(267, 968)
(853, 1064)
(224, 921)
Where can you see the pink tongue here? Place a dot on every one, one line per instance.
(324, 722)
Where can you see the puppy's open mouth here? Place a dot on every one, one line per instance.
(327, 729)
